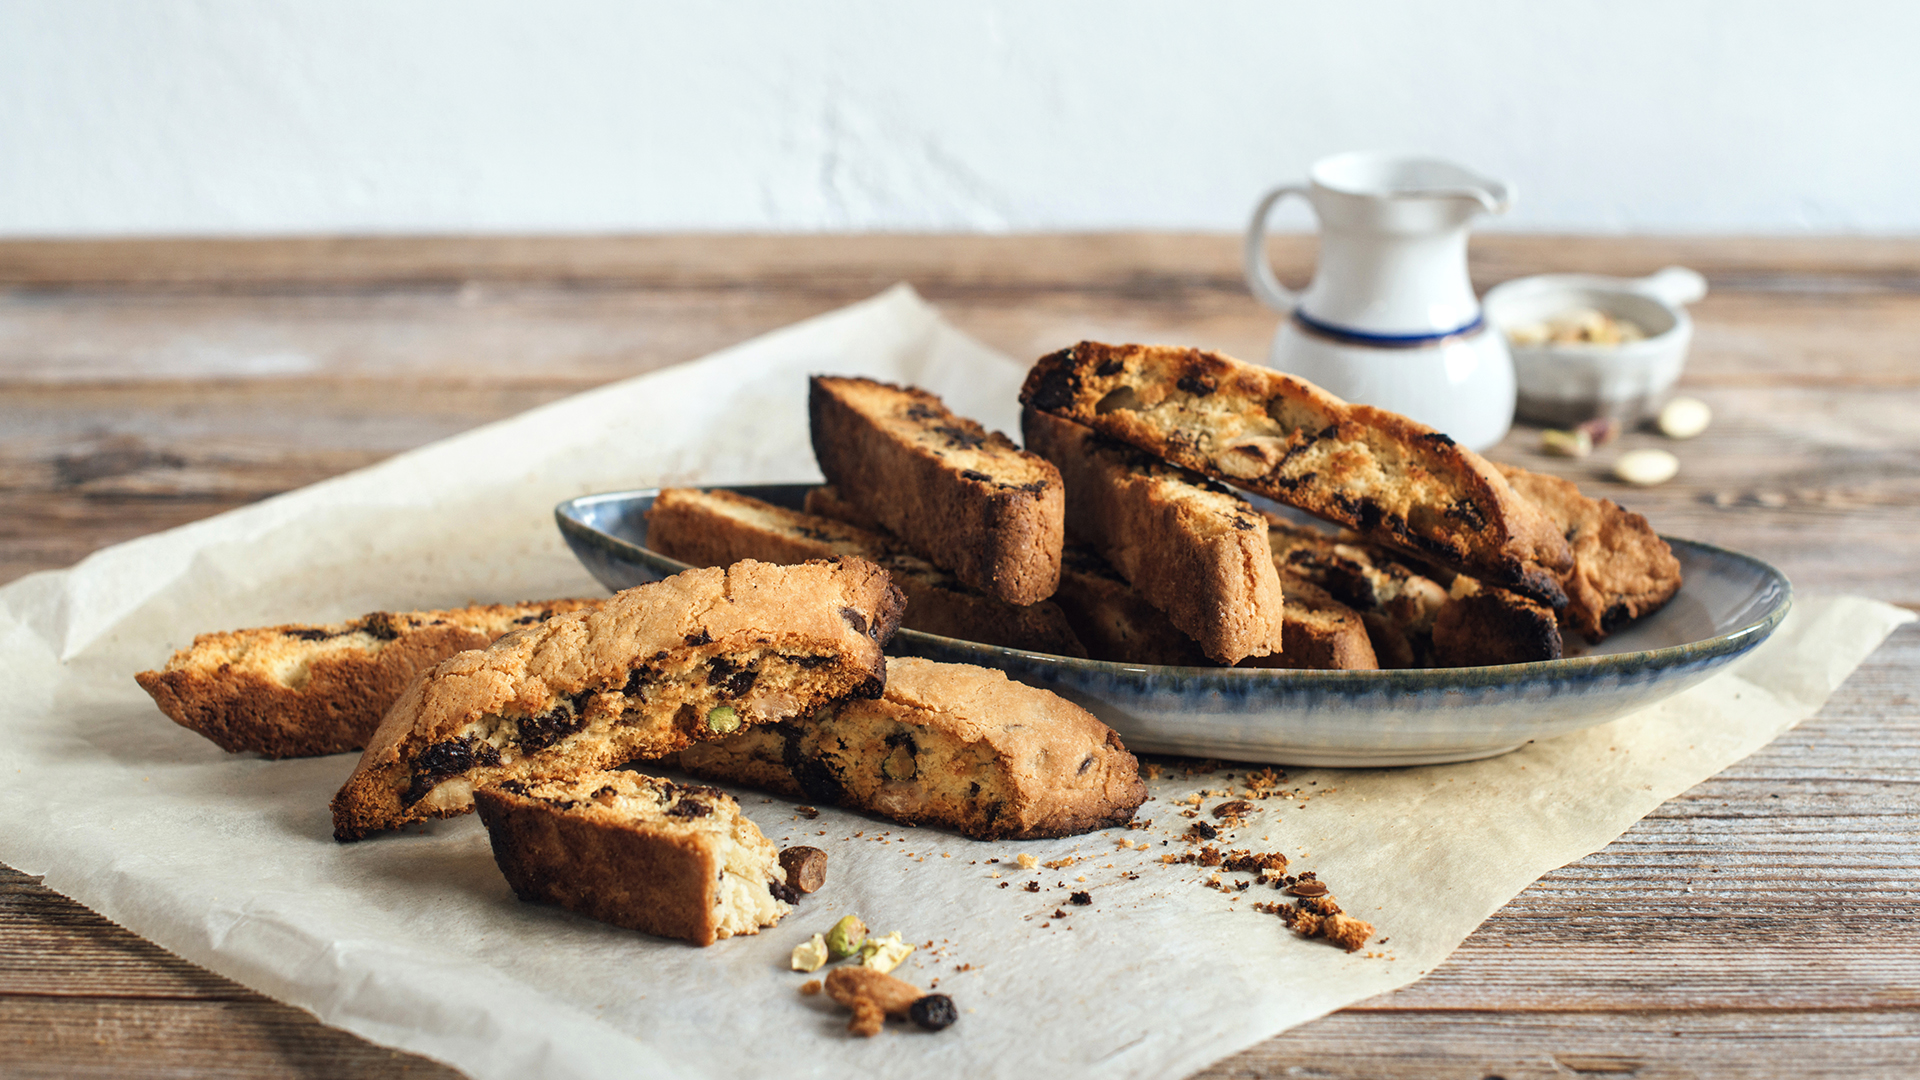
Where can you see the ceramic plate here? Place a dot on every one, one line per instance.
(1729, 604)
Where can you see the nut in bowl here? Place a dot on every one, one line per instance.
(1588, 346)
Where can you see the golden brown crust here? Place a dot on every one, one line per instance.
(1395, 481)
(300, 690)
(663, 858)
(652, 670)
(717, 528)
(1482, 625)
(1189, 547)
(1622, 570)
(953, 745)
(966, 498)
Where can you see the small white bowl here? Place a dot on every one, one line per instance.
(1565, 384)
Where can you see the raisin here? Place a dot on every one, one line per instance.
(1081, 898)
(975, 474)
(783, 892)
(854, 619)
(1197, 385)
(444, 759)
(700, 637)
(934, 1012)
(689, 808)
(731, 678)
(382, 624)
(959, 438)
(539, 732)
(1202, 830)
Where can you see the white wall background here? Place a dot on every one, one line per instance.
(240, 116)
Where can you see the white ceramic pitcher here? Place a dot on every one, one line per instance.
(1390, 318)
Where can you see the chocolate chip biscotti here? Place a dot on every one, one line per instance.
(1188, 546)
(1323, 634)
(298, 691)
(1480, 624)
(1622, 570)
(717, 528)
(953, 745)
(1394, 481)
(1397, 603)
(668, 859)
(696, 656)
(966, 498)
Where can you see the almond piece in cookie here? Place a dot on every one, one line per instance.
(300, 691)
(1188, 546)
(966, 498)
(953, 745)
(656, 668)
(716, 528)
(1394, 481)
(1622, 570)
(667, 859)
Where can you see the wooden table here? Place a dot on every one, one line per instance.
(1764, 923)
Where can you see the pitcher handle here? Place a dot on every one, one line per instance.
(1260, 277)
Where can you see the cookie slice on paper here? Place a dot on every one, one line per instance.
(651, 671)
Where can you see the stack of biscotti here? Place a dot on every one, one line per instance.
(1517, 554)
(1393, 481)
(303, 690)
(1189, 547)
(656, 668)
(719, 528)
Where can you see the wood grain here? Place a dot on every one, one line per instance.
(1765, 923)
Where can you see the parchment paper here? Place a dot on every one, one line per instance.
(415, 941)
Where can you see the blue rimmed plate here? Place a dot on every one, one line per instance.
(1730, 603)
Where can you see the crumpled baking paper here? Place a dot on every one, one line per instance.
(414, 940)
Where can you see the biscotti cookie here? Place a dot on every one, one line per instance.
(1117, 625)
(717, 528)
(655, 668)
(1395, 481)
(1481, 625)
(1323, 634)
(1621, 568)
(1189, 547)
(826, 501)
(1397, 603)
(953, 745)
(668, 859)
(964, 497)
(1115, 622)
(298, 691)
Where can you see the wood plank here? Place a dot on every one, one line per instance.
(1130, 262)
